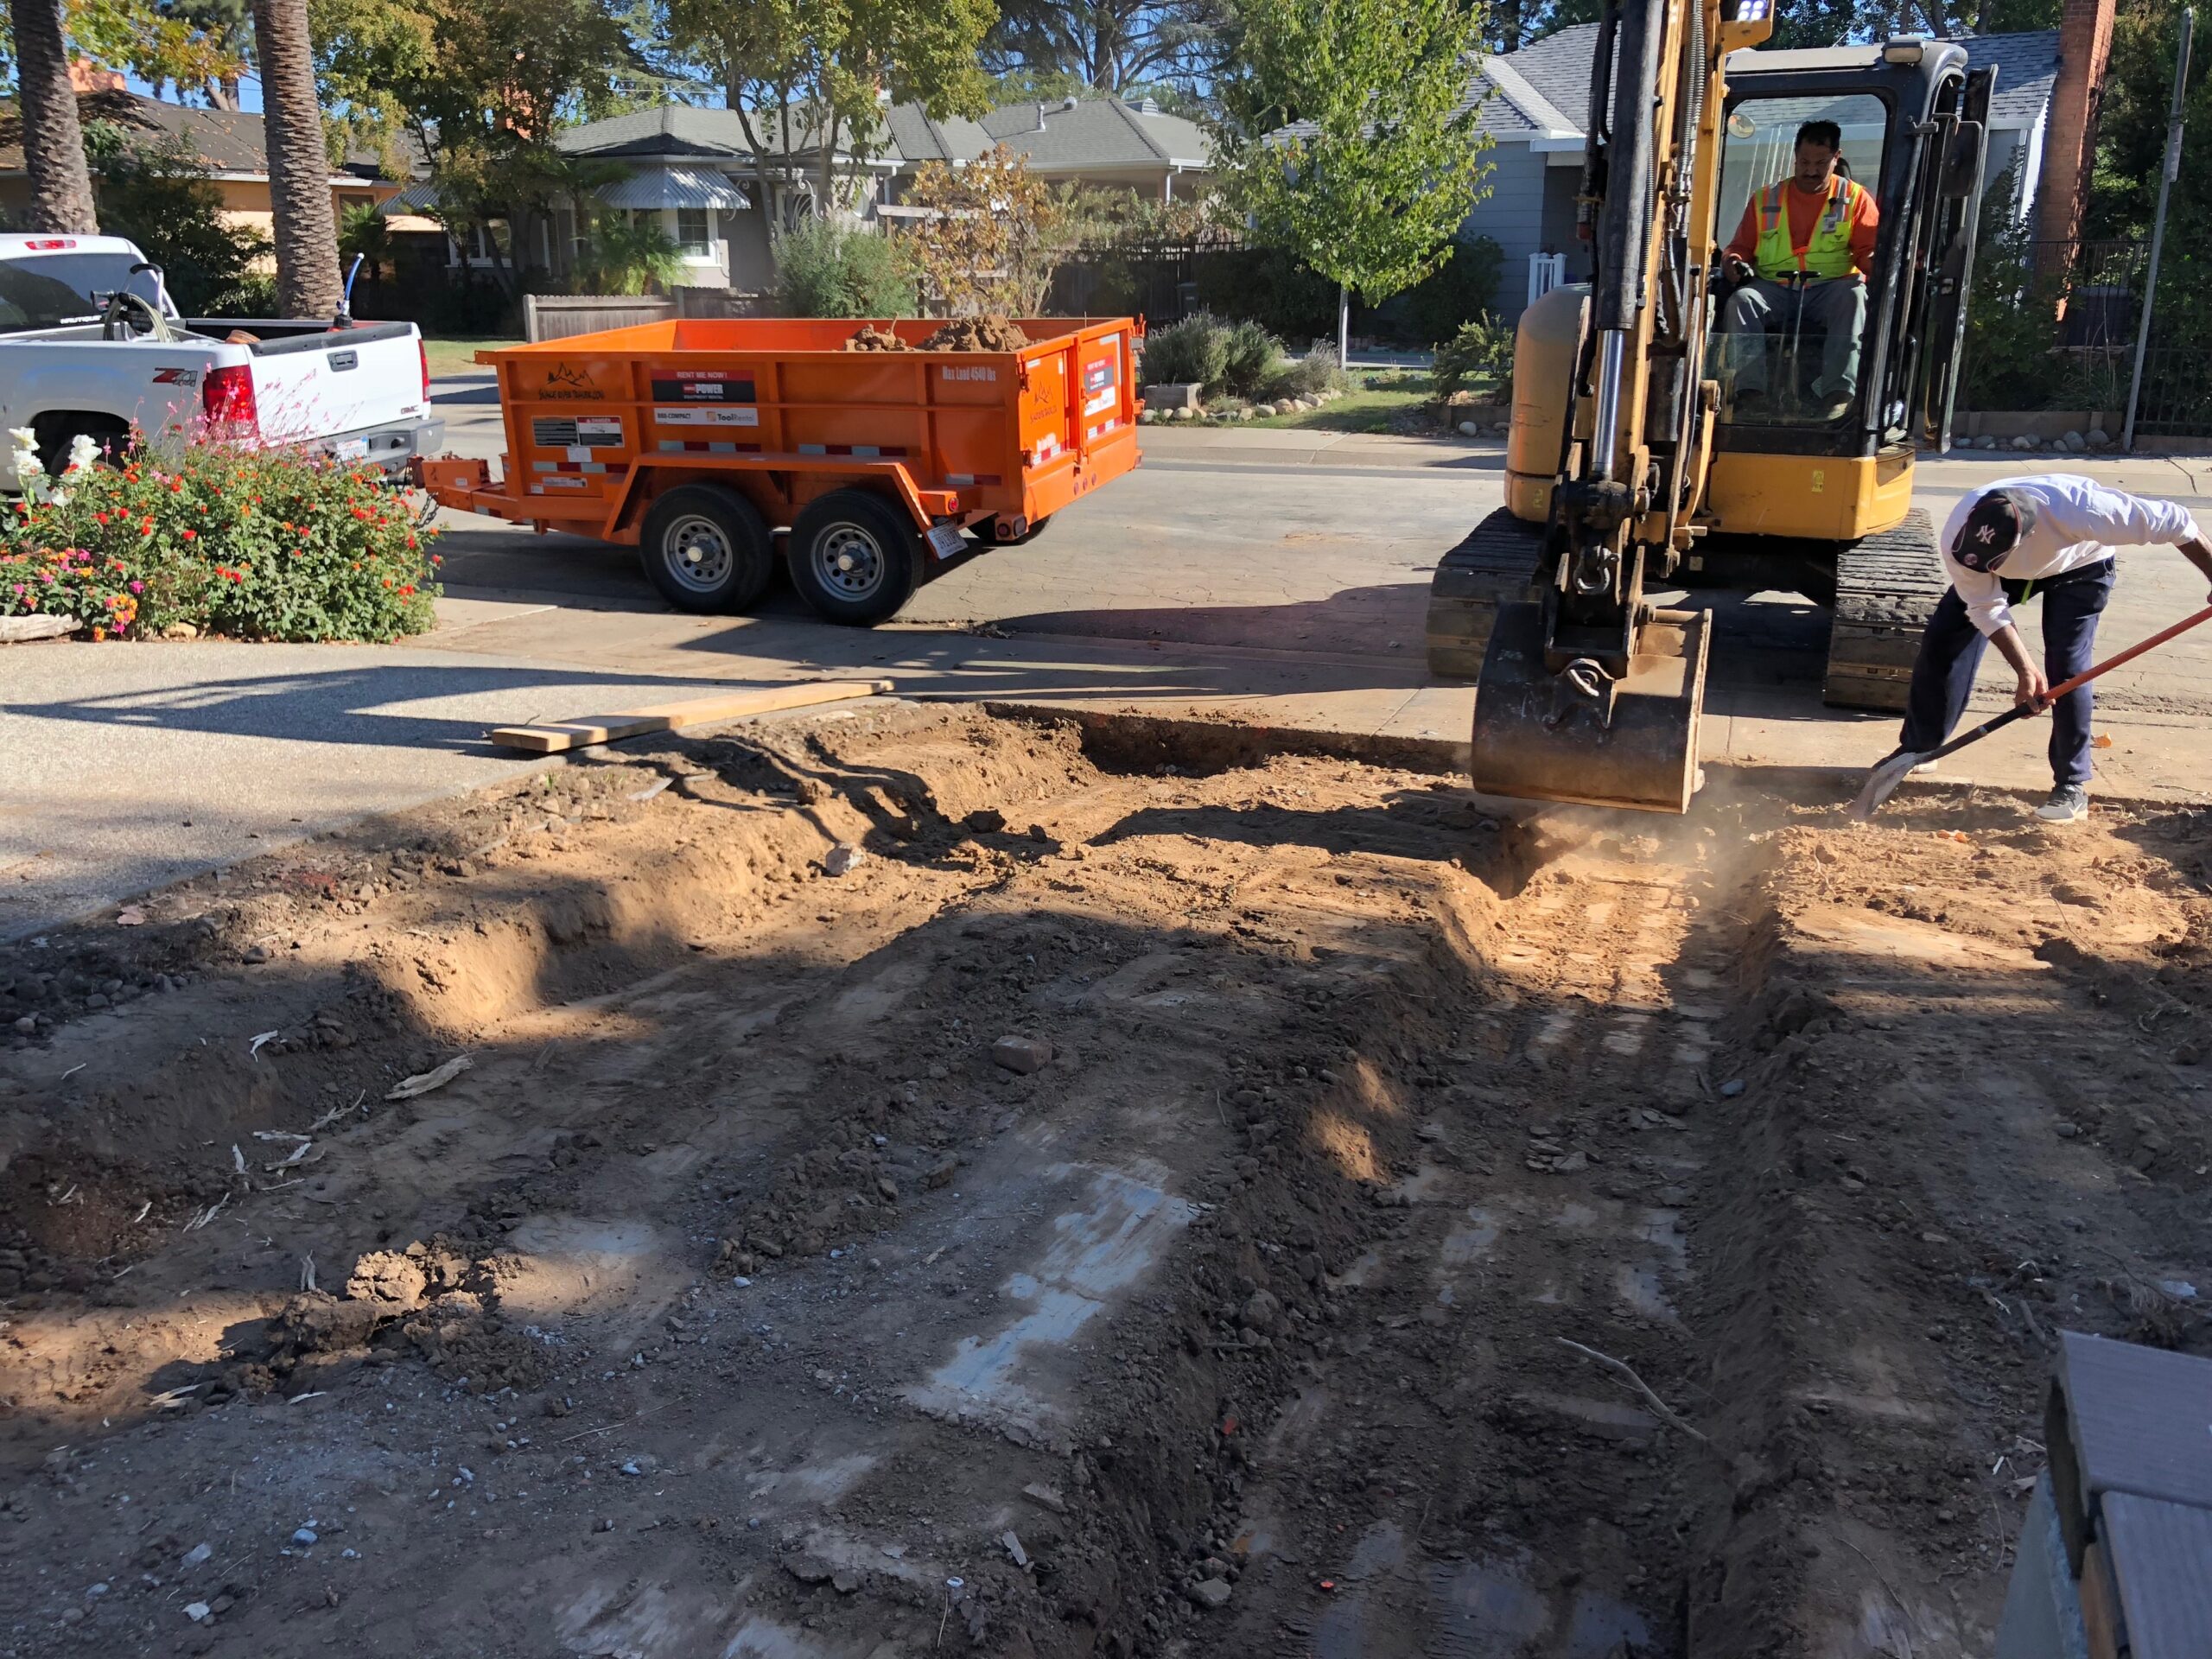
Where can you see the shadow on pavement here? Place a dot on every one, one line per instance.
(364, 706)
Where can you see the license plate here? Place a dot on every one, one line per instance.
(947, 540)
(351, 449)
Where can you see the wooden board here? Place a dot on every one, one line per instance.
(559, 735)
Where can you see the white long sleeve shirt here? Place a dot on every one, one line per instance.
(2078, 521)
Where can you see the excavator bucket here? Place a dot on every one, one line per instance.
(1535, 738)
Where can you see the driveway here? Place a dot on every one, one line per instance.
(1273, 577)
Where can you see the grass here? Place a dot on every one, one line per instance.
(1393, 408)
(456, 354)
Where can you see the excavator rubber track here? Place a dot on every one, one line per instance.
(1495, 566)
(1886, 587)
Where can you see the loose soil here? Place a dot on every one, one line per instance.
(991, 334)
(741, 1296)
(873, 338)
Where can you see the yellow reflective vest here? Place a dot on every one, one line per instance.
(1828, 253)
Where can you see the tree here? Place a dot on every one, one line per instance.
(308, 284)
(807, 74)
(481, 89)
(53, 140)
(1348, 138)
(226, 26)
(159, 195)
(1112, 45)
(995, 232)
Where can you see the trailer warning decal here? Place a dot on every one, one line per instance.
(585, 432)
(702, 386)
(706, 415)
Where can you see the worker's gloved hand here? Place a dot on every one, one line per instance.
(2033, 690)
(1740, 269)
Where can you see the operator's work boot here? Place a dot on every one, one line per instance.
(2066, 802)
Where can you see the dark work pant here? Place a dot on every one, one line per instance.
(1951, 650)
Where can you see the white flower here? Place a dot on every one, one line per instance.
(84, 451)
(23, 438)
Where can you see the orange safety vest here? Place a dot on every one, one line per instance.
(1828, 253)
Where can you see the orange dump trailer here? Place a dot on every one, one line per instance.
(695, 440)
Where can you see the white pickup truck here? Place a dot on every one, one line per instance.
(74, 358)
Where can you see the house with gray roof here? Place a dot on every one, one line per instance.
(694, 171)
(1536, 106)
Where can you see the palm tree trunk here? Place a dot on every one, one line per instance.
(54, 142)
(299, 168)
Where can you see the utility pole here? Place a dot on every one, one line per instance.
(2166, 176)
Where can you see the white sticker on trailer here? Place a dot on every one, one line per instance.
(599, 432)
(683, 415)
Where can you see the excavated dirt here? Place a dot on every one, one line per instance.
(873, 338)
(991, 334)
(748, 1292)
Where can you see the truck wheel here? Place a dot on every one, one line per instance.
(855, 558)
(706, 549)
(54, 434)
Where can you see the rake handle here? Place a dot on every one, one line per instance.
(2021, 710)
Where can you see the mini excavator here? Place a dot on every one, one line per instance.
(1634, 465)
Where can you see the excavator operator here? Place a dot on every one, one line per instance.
(1801, 255)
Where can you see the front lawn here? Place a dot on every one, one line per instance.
(456, 354)
(1387, 410)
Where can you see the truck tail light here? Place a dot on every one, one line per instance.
(227, 399)
(423, 348)
(47, 244)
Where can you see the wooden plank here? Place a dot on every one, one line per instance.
(557, 736)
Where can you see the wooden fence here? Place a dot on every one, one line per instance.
(557, 316)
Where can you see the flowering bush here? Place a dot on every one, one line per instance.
(262, 545)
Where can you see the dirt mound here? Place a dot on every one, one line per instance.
(741, 1296)
(991, 334)
(873, 338)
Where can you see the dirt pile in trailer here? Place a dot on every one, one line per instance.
(873, 338)
(991, 334)
(1154, 1201)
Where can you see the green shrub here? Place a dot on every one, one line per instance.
(827, 269)
(1269, 286)
(1318, 370)
(1482, 351)
(163, 200)
(261, 544)
(1250, 356)
(622, 255)
(1194, 351)
(1461, 291)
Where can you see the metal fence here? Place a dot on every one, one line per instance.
(2094, 290)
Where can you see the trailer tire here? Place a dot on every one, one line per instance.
(707, 549)
(855, 557)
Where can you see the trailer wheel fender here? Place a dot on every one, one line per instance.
(855, 556)
(706, 548)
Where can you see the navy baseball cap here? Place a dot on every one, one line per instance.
(1993, 528)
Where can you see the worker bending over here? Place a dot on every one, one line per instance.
(2052, 534)
(1803, 253)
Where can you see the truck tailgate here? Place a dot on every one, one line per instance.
(320, 385)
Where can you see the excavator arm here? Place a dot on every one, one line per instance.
(1589, 692)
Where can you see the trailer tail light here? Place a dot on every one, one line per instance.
(227, 399)
(423, 349)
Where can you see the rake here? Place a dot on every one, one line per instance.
(1882, 782)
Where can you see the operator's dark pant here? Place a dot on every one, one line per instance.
(1951, 650)
(1835, 304)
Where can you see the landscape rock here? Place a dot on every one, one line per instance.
(1022, 1054)
(1469, 429)
(2099, 438)
(1210, 1594)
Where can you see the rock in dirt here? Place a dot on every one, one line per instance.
(992, 334)
(199, 1611)
(194, 1556)
(1022, 1054)
(843, 859)
(873, 338)
(809, 1568)
(1262, 1312)
(1210, 1594)
(1045, 1498)
(1731, 1088)
(388, 1277)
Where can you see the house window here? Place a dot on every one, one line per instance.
(695, 232)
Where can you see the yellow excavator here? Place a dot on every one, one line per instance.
(1636, 463)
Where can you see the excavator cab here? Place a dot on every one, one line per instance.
(1667, 435)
